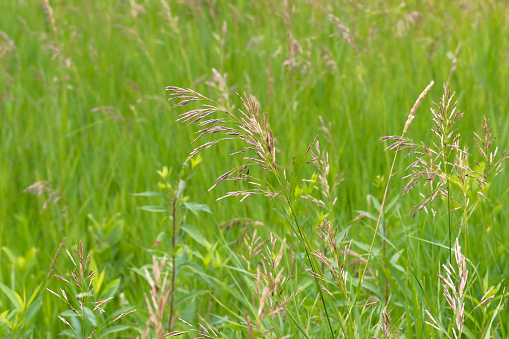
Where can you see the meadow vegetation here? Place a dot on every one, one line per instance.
(265, 169)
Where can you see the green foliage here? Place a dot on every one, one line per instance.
(85, 122)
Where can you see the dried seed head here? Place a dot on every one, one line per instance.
(414, 108)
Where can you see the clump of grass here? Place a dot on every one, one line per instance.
(163, 284)
(268, 297)
(455, 283)
(253, 130)
(434, 163)
(443, 165)
(81, 294)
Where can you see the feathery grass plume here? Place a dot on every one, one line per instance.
(454, 283)
(325, 186)
(336, 266)
(245, 223)
(492, 165)
(160, 291)
(385, 327)
(411, 116)
(253, 130)
(455, 293)
(344, 32)
(50, 18)
(268, 298)
(444, 164)
(54, 197)
(433, 163)
(254, 246)
(82, 300)
(255, 134)
(54, 261)
(219, 82)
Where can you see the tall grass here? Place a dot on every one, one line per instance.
(85, 123)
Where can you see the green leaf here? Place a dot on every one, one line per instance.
(156, 209)
(195, 208)
(33, 309)
(181, 188)
(149, 194)
(110, 289)
(11, 255)
(34, 294)
(69, 333)
(68, 313)
(190, 295)
(90, 316)
(114, 329)
(160, 236)
(13, 296)
(195, 234)
(5, 320)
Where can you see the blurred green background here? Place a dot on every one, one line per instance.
(83, 106)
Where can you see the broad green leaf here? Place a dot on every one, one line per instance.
(90, 316)
(33, 309)
(13, 297)
(114, 329)
(195, 208)
(195, 234)
(190, 295)
(68, 313)
(98, 282)
(155, 209)
(34, 294)
(110, 289)
(160, 236)
(149, 194)
(69, 333)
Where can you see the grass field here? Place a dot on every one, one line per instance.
(85, 126)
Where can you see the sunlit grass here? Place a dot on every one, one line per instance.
(83, 107)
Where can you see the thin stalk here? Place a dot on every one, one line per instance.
(377, 224)
(173, 243)
(405, 129)
(315, 267)
(385, 255)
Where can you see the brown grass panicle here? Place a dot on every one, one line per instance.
(255, 246)
(433, 162)
(40, 188)
(492, 165)
(436, 163)
(251, 128)
(269, 298)
(336, 266)
(386, 326)
(325, 185)
(82, 281)
(454, 283)
(160, 291)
